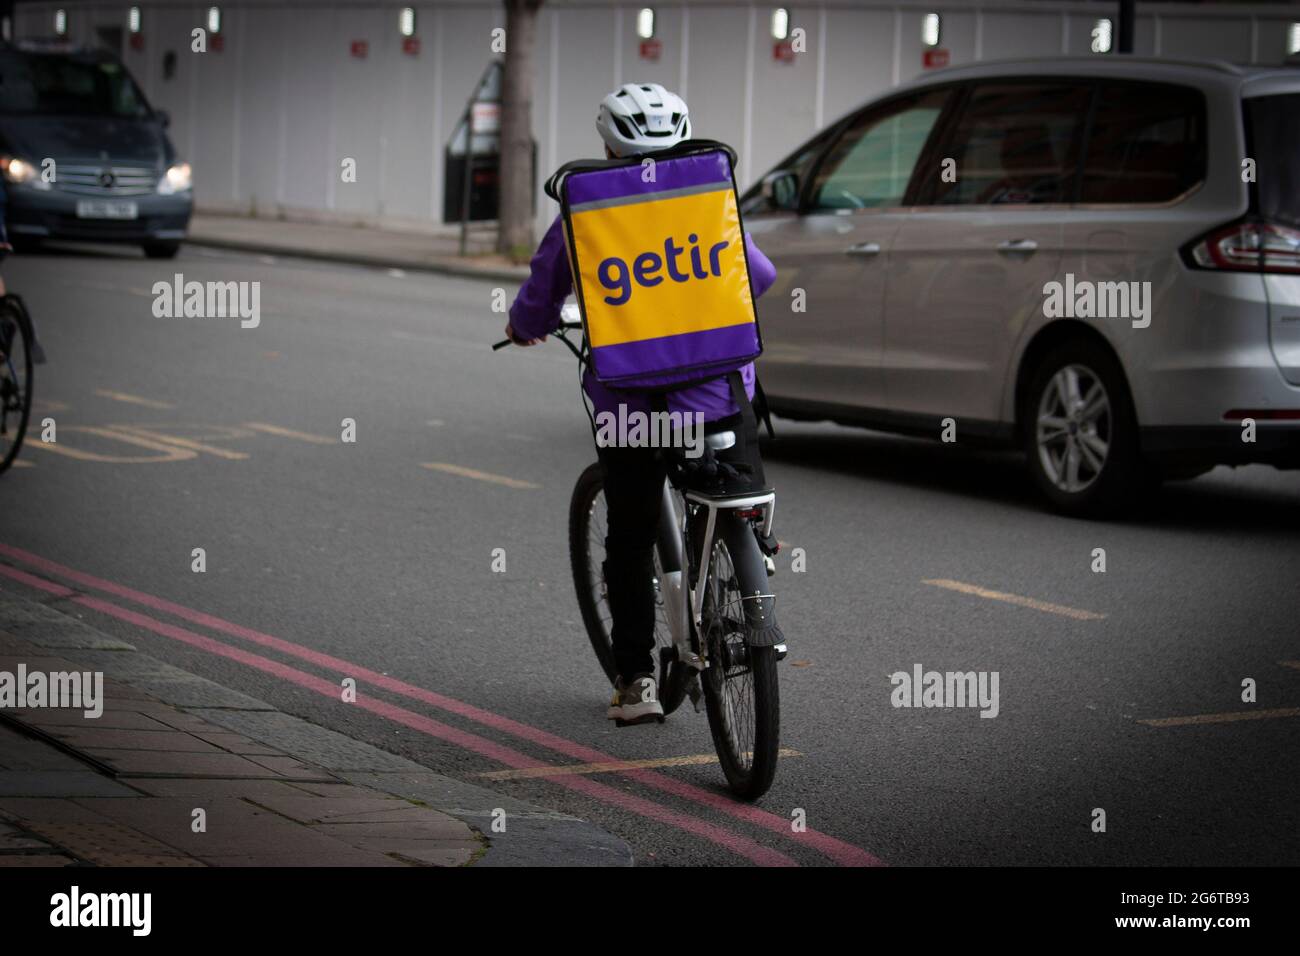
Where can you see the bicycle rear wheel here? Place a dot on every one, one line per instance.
(587, 556)
(15, 380)
(741, 692)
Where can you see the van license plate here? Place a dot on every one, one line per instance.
(106, 209)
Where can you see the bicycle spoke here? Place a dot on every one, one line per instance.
(725, 627)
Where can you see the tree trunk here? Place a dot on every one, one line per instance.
(515, 233)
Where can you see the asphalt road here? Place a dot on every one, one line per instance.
(183, 433)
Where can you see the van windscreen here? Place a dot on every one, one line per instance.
(53, 85)
(1273, 135)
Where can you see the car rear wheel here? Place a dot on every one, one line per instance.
(161, 250)
(1080, 431)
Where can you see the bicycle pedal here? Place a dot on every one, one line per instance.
(770, 565)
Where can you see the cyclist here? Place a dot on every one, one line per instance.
(634, 120)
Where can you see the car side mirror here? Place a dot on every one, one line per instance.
(163, 118)
(781, 189)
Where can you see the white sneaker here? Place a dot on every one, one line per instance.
(637, 703)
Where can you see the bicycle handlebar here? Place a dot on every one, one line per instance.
(559, 334)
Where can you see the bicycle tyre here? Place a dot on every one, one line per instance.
(589, 485)
(748, 779)
(23, 330)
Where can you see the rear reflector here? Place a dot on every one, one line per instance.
(1248, 246)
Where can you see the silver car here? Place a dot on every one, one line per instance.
(1095, 258)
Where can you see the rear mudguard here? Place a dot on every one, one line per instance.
(761, 629)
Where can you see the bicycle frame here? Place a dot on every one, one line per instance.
(684, 603)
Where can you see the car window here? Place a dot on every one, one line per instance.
(872, 161)
(1014, 143)
(1274, 138)
(52, 85)
(1146, 144)
(800, 163)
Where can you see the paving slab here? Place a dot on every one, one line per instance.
(110, 738)
(111, 844)
(430, 853)
(177, 687)
(154, 763)
(60, 783)
(36, 860)
(321, 746)
(20, 751)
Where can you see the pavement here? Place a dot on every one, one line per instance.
(436, 252)
(151, 771)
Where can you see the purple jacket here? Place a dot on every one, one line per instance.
(536, 312)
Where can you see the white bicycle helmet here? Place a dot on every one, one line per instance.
(642, 118)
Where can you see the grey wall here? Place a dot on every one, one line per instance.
(267, 120)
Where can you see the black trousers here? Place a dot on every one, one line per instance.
(634, 481)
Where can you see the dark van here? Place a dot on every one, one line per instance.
(84, 156)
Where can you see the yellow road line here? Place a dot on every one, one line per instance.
(176, 440)
(20, 463)
(1295, 664)
(169, 452)
(478, 475)
(290, 433)
(132, 399)
(612, 766)
(1037, 605)
(1227, 718)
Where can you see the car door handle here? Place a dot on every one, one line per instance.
(863, 249)
(1014, 246)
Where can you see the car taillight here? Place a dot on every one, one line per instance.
(1250, 246)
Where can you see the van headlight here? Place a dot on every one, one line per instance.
(18, 170)
(177, 179)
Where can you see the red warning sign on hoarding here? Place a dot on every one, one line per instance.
(651, 49)
(934, 59)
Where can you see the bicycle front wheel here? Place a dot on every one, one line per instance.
(740, 685)
(15, 380)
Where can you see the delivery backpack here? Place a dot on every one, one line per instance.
(661, 274)
(660, 270)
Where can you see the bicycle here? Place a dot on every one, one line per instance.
(711, 598)
(18, 354)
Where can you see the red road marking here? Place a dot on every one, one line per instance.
(841, 852)
(736, 843)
